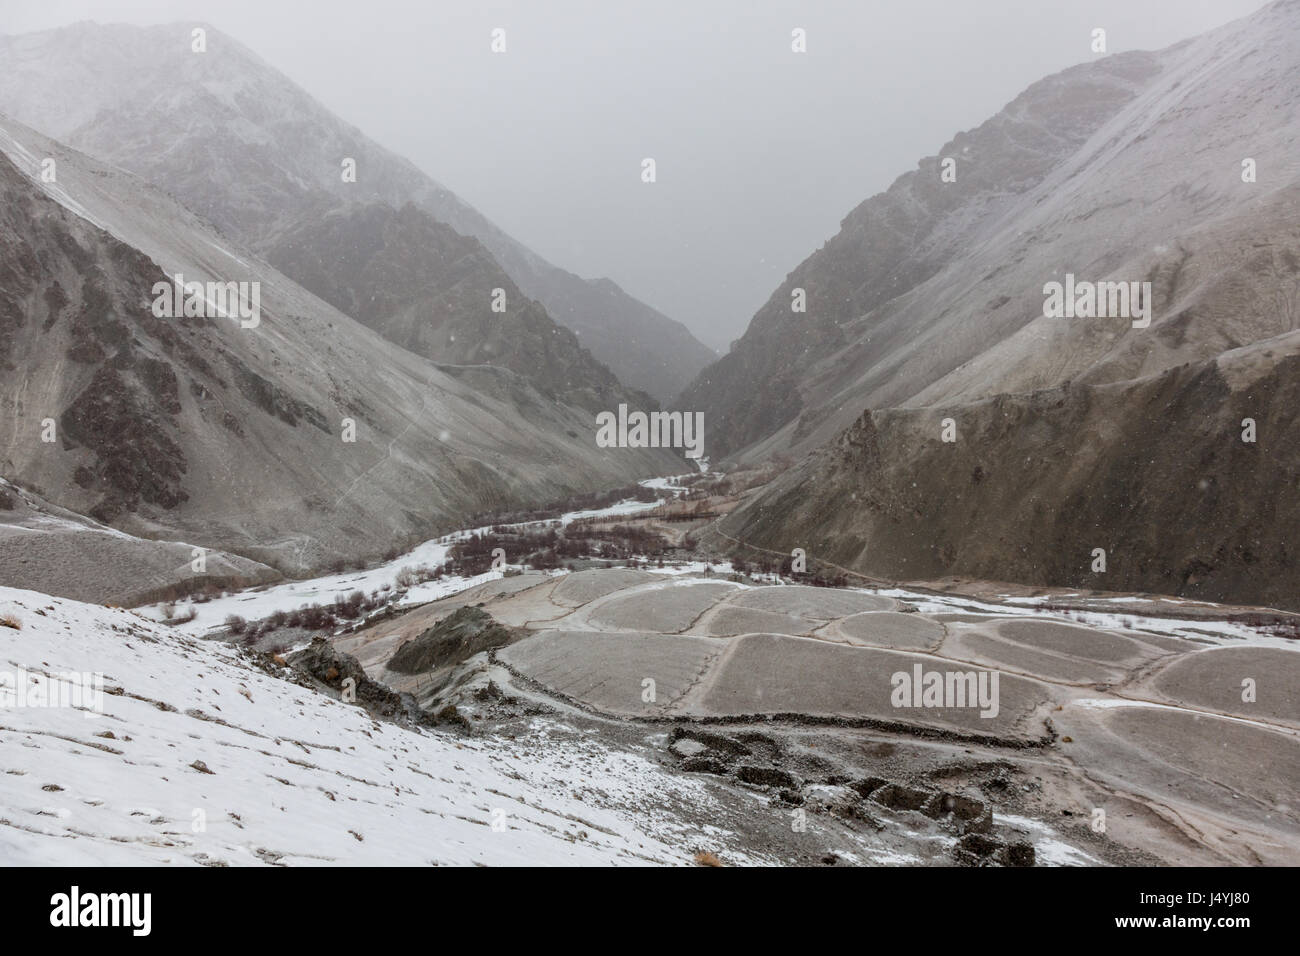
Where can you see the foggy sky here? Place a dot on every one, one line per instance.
(760, 151)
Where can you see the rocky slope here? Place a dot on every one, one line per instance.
(424, 286)
(954, 429)
(1128, 168)
(240, 144)
(66, 554)
(235, 437)
(1154, 472)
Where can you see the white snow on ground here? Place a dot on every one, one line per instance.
(257, 603)
(447, 586)
(695, 569)
(297, 777)
(1223, 633)
(226, 252)
(1048, 849)
(671, 483)
(1112, 703)
(629, 507)
(56, 192)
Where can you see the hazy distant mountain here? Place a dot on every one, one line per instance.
(239, 143)
(429, 289)
(1064, 435)
(1129, 168)
(235, 436)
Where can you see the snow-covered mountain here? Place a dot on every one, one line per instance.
(240, 144)
(1129, 168)
(237, 437)
(954, 427)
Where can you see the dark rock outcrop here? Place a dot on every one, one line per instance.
(343, 676)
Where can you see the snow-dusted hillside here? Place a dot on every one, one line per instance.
(239, 143)
(200, 756)
(247, 423)
(1124, 168)
(61, 552)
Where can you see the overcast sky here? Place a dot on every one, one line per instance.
(760, 152)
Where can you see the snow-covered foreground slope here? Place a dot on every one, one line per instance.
(296, 777)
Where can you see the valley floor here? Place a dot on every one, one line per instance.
(654, 716)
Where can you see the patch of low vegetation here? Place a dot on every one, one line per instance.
(344, 610)
(413, 574)
(8, 620)
(196, 590)
(1274, 625)
(739, 481)
(784, 567)
(343, 565)
(554, 547)
(170, 617)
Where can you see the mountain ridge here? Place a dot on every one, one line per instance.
(137, 97)
(234, 436)
(932, 291)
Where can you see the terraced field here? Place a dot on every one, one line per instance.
(1191, 735)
